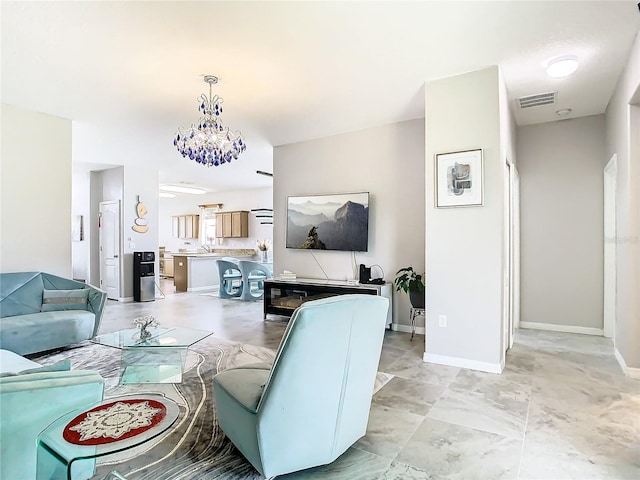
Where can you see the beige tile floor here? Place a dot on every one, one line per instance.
(561, 409)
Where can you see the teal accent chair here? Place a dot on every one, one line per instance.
(31, 398)
(313, 403)
(230, 279)
(253, 276)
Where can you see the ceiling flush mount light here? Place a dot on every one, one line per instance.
(209, 142)
(563, 112)
(179, 189)
(561, 67)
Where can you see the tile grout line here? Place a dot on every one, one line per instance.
(524, 434)
(418, 425)
(424, 419)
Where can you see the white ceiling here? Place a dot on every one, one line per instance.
(129, 73)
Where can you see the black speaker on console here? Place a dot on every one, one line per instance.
(365, 274)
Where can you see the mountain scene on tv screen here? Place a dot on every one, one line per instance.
(319, 224)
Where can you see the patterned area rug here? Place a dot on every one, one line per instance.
(195, 447)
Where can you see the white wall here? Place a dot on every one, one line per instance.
(465, 244)
(387, 162)
(35, 196)
(139, 184)
(231, 201)
(125, 184)
(620, 138)
(560, 165)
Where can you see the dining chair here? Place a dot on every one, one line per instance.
(231, 284)
(253, 276)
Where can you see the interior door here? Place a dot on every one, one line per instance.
(508, 260)
(110, 255)
(516, 250)
(514, 254)
(610, 174)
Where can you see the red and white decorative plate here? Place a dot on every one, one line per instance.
(114, 421)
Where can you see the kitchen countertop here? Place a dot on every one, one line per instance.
(206, 255)
(240, 252)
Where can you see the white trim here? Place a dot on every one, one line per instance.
(399, 327)
(562, 328)
(463, 363)
(633, 373)
(630, 372)
(200, 289)
(620, 360)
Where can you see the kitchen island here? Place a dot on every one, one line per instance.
(198, 271)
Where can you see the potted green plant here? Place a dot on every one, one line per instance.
(411, 283)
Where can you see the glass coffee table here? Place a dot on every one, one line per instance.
(69, 447)
(158, 358)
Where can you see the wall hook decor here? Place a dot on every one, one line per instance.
(141, 223)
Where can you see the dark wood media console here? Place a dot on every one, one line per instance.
(282, 297)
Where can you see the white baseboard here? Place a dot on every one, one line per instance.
(633, 373)
(398, 327)
(562, 328)
(630, 372)
(200, 289)
(463, 363)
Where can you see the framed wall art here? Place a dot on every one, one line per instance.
(77, 228)
(459, 179)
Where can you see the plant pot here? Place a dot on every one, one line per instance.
(416, 298)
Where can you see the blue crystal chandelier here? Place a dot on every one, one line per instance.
(209, 142)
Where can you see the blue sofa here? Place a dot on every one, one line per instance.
(31, 398)
(40, 311)
(313, 403)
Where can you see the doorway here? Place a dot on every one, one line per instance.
(610, 178)
(109, 247)
(511, 254)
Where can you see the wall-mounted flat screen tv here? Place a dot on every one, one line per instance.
(329, 222)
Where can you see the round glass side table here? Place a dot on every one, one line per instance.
(69, 447)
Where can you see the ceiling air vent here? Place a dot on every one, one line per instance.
(537, 100)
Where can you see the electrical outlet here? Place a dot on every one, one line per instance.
(442, 320)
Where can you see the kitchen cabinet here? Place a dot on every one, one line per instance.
(232, 224)
(180, 272)
(185, 226)
(166, 266)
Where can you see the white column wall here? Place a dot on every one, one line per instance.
(465, 244)
(35, 193)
